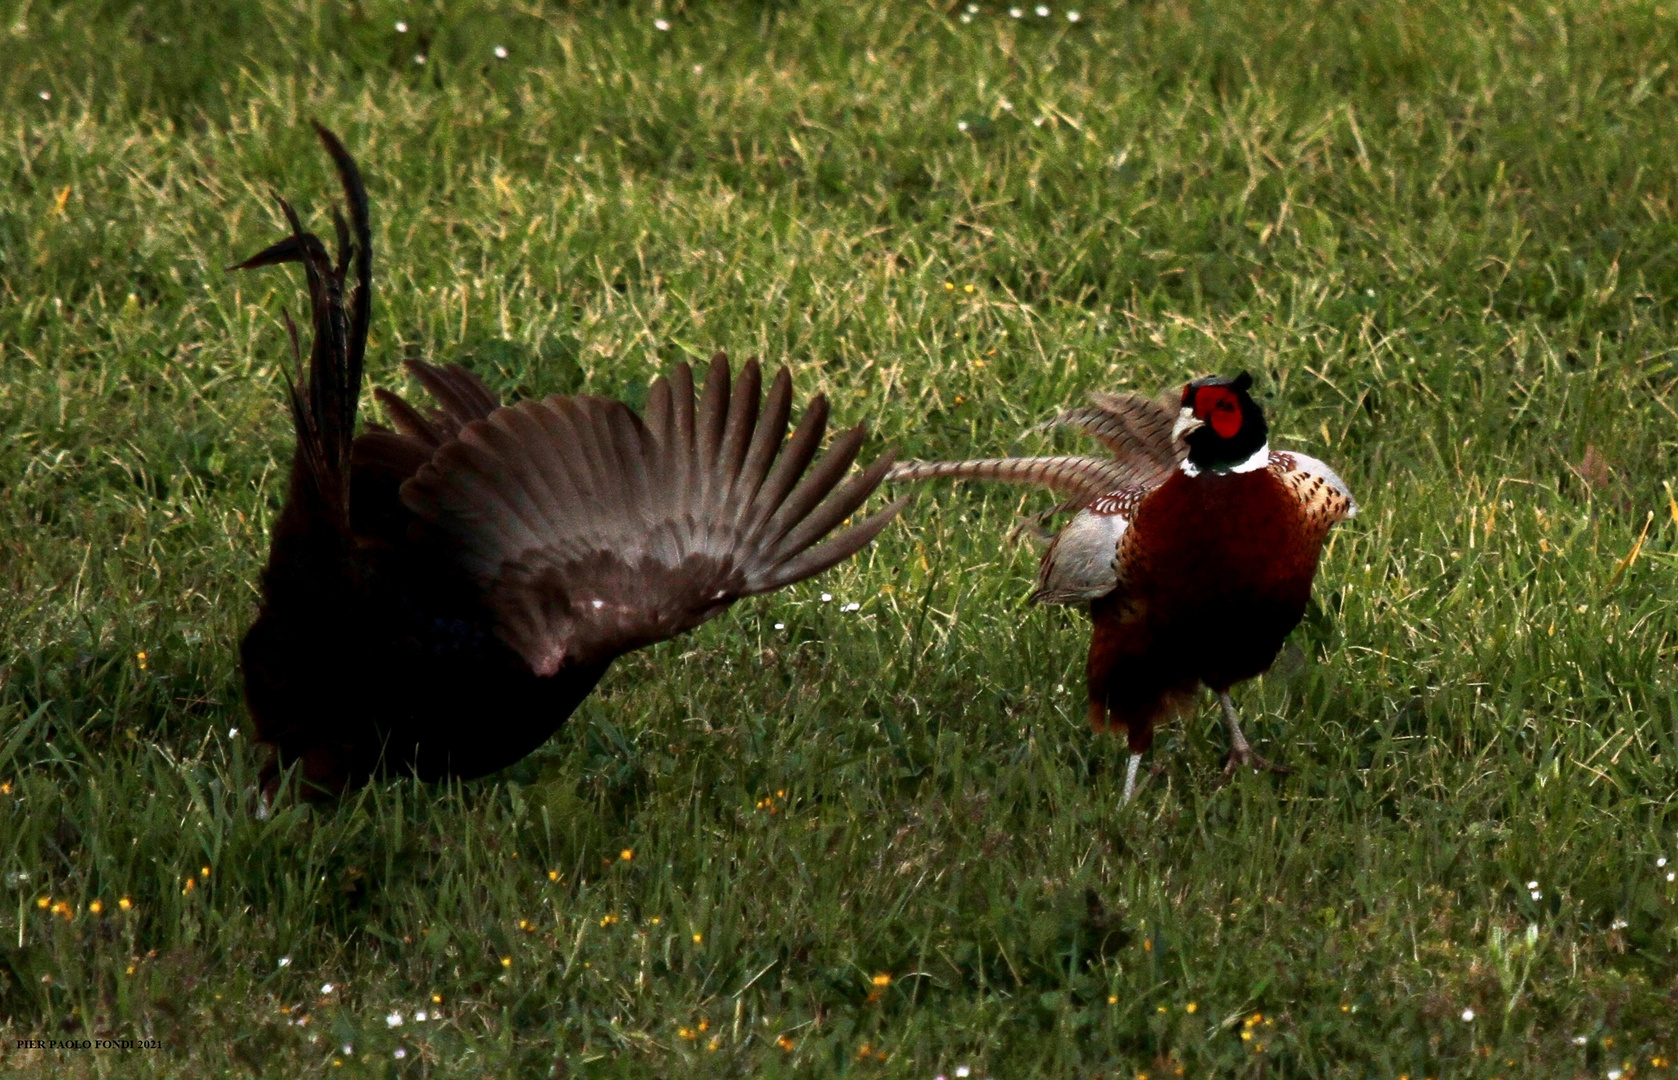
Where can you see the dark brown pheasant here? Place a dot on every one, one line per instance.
(439, 598)
(1195, 548)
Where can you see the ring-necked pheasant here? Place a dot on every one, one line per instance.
(439, 598)
(1194, 546)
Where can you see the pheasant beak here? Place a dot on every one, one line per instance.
(1187, 421)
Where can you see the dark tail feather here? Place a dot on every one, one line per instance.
(323, 400)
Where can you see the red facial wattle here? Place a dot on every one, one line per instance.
(1220, 408)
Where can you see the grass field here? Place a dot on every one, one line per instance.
(811, 841)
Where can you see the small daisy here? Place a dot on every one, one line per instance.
(399, 1053)
(1042, 11)
(780, 626)
(393, 1020)
(419, 58)
(500, 52)
(660, 24)
(1015, 13)
(401, 27)
(1468, 1016)
(827, 597)
(46, 95)
(285, 961)
(327, 988)
(1073, 16)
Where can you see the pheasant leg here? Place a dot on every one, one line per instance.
(1240, 752)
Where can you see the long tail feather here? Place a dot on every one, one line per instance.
(1082, 477)
(324, 407)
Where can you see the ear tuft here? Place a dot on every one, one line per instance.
(1242, 381)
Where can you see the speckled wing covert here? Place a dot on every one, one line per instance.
(594, 533)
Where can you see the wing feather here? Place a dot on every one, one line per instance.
(594, 532)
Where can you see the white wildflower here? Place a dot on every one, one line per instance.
(1468, 1016)
(393, 1020)
(399, 1053)
(401, 27)
(660, 24)
(1073, 16)
(500, 52)
(285, 961)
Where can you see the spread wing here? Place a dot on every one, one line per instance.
(595, 532)
(1323, 497)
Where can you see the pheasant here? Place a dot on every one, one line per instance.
(1194, 547)
(440, 597)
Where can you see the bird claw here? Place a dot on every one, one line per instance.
(1252, 760)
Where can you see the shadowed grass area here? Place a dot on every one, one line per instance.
(806, 841)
